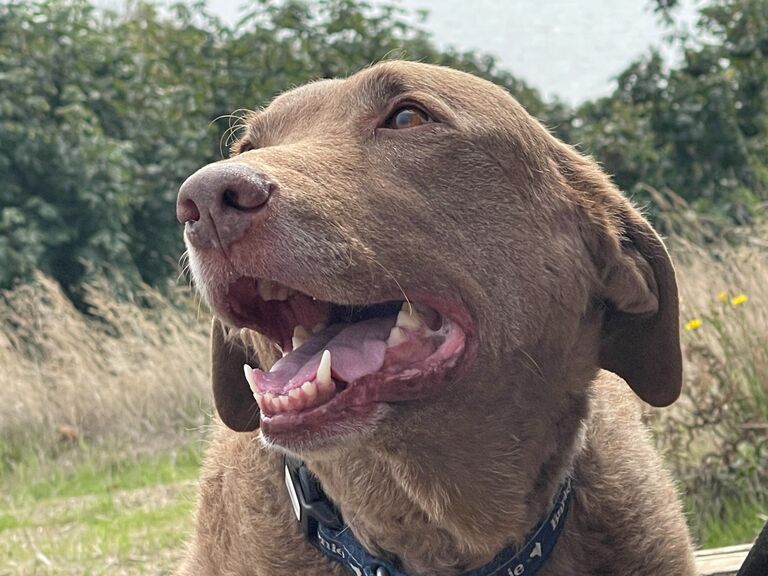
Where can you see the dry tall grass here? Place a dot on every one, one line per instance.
(136, 372)
(132, 374)
(716, 437)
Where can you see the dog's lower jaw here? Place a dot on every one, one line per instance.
(454, 513)
(451, 514)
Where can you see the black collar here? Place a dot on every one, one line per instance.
(322, 524)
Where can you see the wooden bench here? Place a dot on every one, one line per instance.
(721, 561)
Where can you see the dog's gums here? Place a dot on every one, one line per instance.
(337, 358)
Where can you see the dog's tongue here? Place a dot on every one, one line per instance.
(356, 350)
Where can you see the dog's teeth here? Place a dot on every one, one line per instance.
(408, 317)
(284, 403)
(249, 377)
(324, 369)
(264, 288)
(309, 389)
(325, 389)
(319, 327)
(260, 400)
(281, 293)
(269, 290)
(396, 337)
(296, 399)
(300, 336)
(307, 395)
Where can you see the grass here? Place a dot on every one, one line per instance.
(97, 473)
(716, 437)
(101, 422)
(740, 522)
(131, 372)
(117, 515)
(102, 417)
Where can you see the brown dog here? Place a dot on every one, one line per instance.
(444, 432)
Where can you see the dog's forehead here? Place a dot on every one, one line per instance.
(307, 96)
(342, 108)
(375, 87)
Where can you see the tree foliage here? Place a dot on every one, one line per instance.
(700, 129)
(103, 114)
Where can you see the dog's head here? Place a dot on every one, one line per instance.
(413, 243)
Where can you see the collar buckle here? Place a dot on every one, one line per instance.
(310, 504)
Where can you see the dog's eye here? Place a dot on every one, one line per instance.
(407, 117)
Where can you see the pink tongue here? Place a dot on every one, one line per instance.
(356, 350)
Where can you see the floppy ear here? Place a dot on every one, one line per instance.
(640, 338)
(231, 393)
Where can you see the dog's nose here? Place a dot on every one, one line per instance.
(220, 202)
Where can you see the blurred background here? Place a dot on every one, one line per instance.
(106, 106)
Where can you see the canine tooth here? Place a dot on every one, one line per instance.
(396, 337)
(324, 369)
(309, 389)
(249, 377)
(264, 288)
(324, 388)
(408, 317)
(300, 336)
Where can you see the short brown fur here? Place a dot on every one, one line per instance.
(562, 277)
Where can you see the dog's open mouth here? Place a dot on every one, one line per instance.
(340, 358)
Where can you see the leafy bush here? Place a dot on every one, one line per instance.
(699, 130)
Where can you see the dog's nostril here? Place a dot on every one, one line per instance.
(230, 199)
(188, 212)
(248, 199)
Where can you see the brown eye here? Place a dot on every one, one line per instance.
(407, 117)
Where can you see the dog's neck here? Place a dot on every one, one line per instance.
(448, 502)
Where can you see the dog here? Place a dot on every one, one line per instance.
(448, 319)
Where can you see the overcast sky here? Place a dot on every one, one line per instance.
(569, 48)
(566, 48)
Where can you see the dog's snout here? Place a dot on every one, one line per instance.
(221, 201)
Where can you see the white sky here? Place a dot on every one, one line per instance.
(568, 48)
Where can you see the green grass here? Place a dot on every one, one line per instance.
(95, 511)
(96, 472)
(94, 514)
(739, 523)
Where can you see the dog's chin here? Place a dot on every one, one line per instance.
(345, 366)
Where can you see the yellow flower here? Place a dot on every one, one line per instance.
(722, 296)
(738, 300)
(693, 324)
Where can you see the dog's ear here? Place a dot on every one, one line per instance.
(231, 393)
(640, 339)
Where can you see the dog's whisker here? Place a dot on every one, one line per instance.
(392, 277)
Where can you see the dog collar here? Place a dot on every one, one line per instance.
(322, 524)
